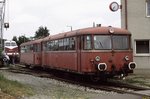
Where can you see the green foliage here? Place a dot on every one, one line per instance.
(20, 39)
(41, 32)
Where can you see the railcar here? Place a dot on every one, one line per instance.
(31, 53)
(11, 49)
(96, 51)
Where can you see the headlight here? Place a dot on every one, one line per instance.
(126, 58)
(97, 58)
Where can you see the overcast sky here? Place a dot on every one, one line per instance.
(26, 16)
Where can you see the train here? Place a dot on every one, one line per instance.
(97, 52)
(11, 49)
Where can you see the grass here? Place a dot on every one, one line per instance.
(14, 88)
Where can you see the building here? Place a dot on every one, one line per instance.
(135, 16)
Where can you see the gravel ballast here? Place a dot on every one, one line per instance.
(46, 88)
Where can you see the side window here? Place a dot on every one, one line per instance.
(66, 44)
(35, 47)
(52, 44)
(28, 48)
(148, 8)
(45, 46)
(72, 43)
(23, 49)
(61, 44)
(38, 48)
(87, 42)
(142, 47)
(49, 46)
(56, 46)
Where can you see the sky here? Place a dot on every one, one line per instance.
(26, 16)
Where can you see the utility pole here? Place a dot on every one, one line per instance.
(2, 16)
(70, 28)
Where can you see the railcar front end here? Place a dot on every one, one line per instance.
(11, 49)
(107, 54)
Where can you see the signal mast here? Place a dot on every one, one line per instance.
(2, 23)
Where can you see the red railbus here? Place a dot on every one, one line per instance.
(95, 51)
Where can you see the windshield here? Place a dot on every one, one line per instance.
(13, 44)
(7, 44)
(102, 42)
(107, 42)
(120, 42)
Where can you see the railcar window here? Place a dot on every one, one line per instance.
(27, 48)
(36, 48)
(52, 46)
(45, 46)
(66, 44)
(87, 42)
(61, 44)
(56, 46)
(102, 42)
(23, 49)
(48, 46)
(31, 48)
(120, 42)
(72, 44)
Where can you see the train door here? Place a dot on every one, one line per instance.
(37, 54)
(85, 53)
(44, 48)
(79, 38)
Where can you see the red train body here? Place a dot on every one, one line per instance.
(97, 51)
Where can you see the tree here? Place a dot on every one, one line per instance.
(15, 38)
(20, 39)
(41, 32)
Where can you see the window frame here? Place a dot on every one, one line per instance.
(86, 42)
(106, 36)
(147, 10)
(141, 54)
(127, 41)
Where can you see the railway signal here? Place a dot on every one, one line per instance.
(6, 25)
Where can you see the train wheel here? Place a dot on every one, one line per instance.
(27, 66)
(94, 78)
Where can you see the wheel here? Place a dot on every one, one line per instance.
(94, 78)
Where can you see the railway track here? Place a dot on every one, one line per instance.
(111, 86)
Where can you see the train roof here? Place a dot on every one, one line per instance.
(37, 41)
(9, 41)
(85, 31)
(91, 30)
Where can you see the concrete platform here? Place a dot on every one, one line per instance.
(142, 72)
(146, 93)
